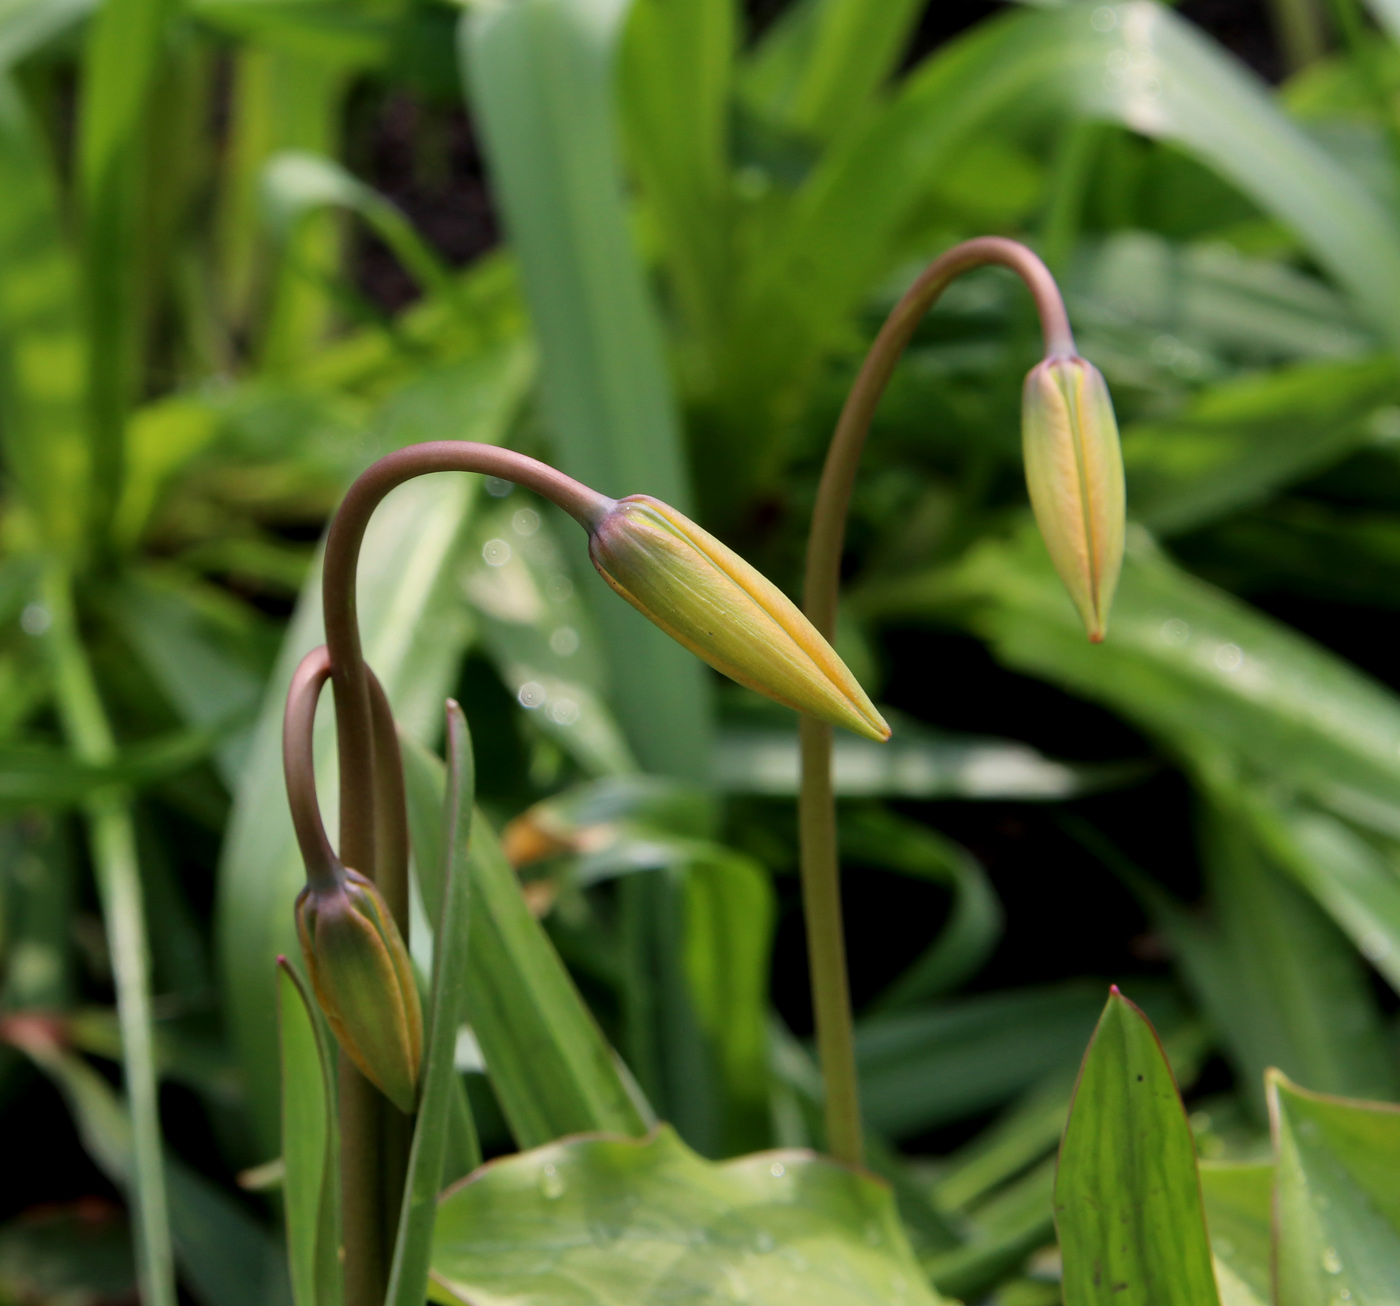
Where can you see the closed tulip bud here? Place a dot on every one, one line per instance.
(1074, 470)
(705, 596)
(363, 980)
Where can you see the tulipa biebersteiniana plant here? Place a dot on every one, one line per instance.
(352, 916)
(1074, 472)
(352, 923)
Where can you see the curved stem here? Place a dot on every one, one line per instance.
(352, 700)
(299, 768)
(821, 896)
(373, 825)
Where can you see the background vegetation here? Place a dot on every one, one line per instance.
(246, 246)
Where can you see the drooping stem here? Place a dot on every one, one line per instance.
(299, 767)
(821, 895)
(373, 824)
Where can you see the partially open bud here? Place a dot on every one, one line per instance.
(363, 979)
(1074, 470)
(705, 596)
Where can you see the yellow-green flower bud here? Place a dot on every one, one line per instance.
(705, 596)
(1074, 470)
(363, 979)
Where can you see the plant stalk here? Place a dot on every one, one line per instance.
(821, 892)
(112, 834)
(374, 1135)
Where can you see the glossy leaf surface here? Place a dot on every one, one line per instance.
(1127, 1199)
(594, 1221)
(1337, 1206)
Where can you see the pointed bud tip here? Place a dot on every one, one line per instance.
(726, 612)
(1074, 472)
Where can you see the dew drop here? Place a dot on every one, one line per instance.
(1331, 1262)
(763, 1242)
(551, 1181)
(777, 1169)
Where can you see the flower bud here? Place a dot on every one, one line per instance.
(363, 979)
(1074, 471)
(705, 596)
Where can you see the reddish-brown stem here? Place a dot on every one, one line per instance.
(821, 891)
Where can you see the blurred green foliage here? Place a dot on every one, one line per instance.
(703, 226)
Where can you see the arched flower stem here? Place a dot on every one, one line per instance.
(373, 821)
(821, 897)
(354, 717)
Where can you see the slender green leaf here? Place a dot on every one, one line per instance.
(27, 25)
(1240, 442)
(541, 75)
(408, 1278)
(677, 64)
(1238, 1200)
(1127, 1199)
(616, 1221)
(43, 355)
(125, 47)
(548, 1062)
(310, 1149)
(928, 1066)
(824, 59)
(917, 763)
(1336, 1206)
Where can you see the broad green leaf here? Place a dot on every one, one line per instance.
(310, 1148)
(1238, 1198)
(225, 1256)
(1351, 874)
(541, 75)
(1166, 79)
(408, 1278)
(1127, 1199)
(1198, 669)
(1336, 1205)
(621, 1222)
(931, 1065)
(1243, 440)
(414, 628)
(549, 1064)
(677, 65)
(916, 763)
(1278, 978)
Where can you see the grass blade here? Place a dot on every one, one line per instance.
(113, 838)
(1127, 1199)
(310, 1151)
(120, 68)
(42, 349)
(408, 1278)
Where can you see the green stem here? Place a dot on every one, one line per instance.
(112, 834)
(821, 894)
(374, 1136)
